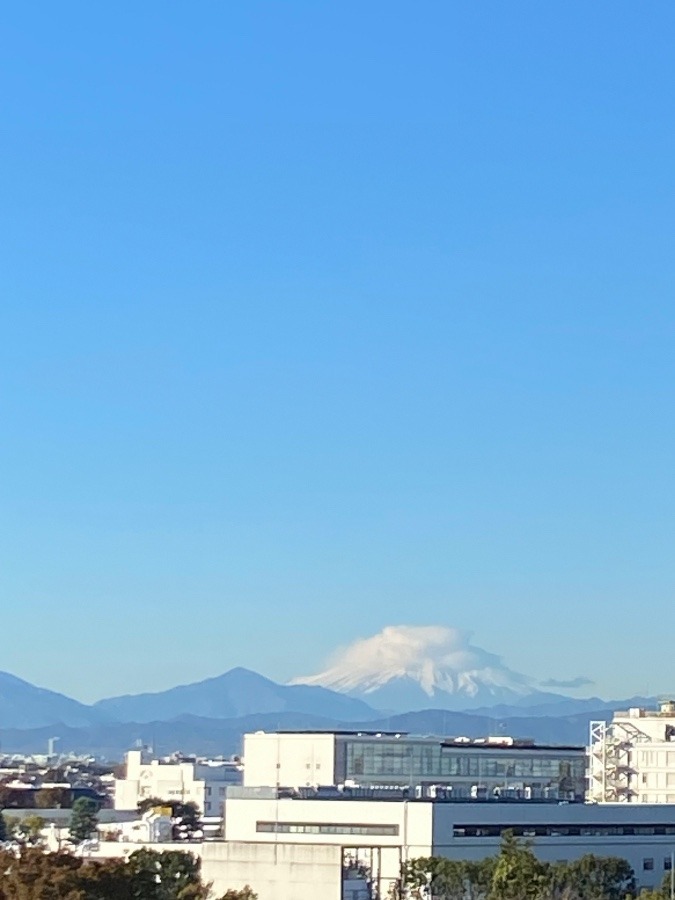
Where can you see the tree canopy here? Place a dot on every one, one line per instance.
(516, 874)
(84, 819)
(147, 875)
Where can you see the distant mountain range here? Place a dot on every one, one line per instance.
(212, 715)
(234, 694)
(194, 734)
(22, 705)
(237, 693)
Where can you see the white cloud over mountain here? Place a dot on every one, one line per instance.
(438, 661)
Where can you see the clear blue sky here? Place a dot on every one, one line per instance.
(318, 317)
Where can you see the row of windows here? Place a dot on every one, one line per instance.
(324, 828)
(660, 758)
(433, 761)
(460, 831)
(648, 863)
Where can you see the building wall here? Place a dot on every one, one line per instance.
(290, 760)
(275, 871)
(461, 830)
(354, 822)
(595, 822)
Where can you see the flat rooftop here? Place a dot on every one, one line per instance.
(498, 742)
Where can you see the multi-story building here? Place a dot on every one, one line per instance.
(458, 768)
(379, 834)
(188, 781)
(632, 759)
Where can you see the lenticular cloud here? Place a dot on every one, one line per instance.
(437, 658)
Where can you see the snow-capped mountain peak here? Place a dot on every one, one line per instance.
(406, 666)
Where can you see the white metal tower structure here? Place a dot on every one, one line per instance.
(612, 767)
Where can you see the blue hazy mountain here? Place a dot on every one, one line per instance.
(23, 705)
(236, 693)
(212, 715)
(193, 734)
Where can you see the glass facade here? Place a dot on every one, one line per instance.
(409, 762)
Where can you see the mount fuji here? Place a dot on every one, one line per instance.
(407, 667)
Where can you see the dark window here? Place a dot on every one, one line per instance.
(648, 863)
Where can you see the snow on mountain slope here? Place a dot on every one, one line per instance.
(417, 667)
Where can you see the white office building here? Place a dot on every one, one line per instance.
(202, 782)
(632, 759)
(379, 834)
(458, 767)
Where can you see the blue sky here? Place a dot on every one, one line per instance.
(318, 317)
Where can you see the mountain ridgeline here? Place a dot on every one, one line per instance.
(237, 693)
(210, 716)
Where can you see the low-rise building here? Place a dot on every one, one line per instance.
(202, 782)
(378, 835)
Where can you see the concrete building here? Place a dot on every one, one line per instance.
(461, 767)
(378, 835)
(345, 848)
(632, 759)
(188, 781)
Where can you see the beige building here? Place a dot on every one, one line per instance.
(186, 781)
(632, 759)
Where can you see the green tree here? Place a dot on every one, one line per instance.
(31, 827)
(176, 875)
(436, 876)
(84, 819)
(3, 828)
(592, 878)
(35, 875)
(660, 893)
(112, 879)
(446, 879)
(518, 874)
